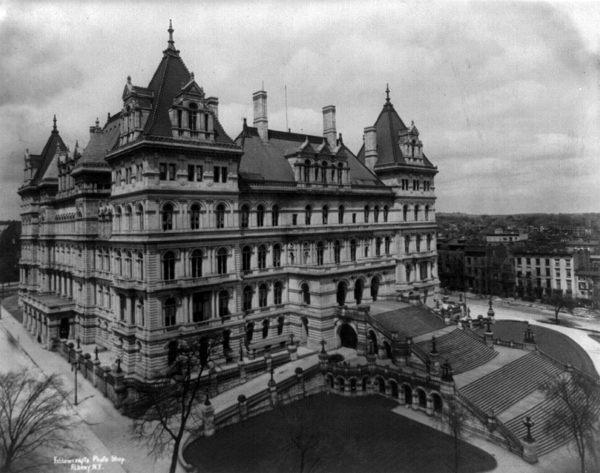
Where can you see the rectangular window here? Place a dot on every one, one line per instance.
(224, 174)
(528, 260)
(294, 219)
(567, 263)
(537, 261)
(557, 262)
(191, 172)
(217, 173)
(415, 185)
(353, 218)
(558, 284)
(199, 173)
(568, 273)
(163, 172)
(426, 185)
(171, 172)
(547, 271)
(547, 262)
(569, 284)
(538, 271)
(519, 261)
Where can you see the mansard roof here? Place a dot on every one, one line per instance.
(268, 160)
(100, 143)
(387, 126)
(47, 156)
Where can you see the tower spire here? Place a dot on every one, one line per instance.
(387, 93)
(54, 129)
(171, 42)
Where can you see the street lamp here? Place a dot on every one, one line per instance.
(75, 367)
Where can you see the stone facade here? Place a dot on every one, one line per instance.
(164, 228)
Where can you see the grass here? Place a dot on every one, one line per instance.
(551, 342)
(11, 304)
(351, 434)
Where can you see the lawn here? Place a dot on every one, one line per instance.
(349, 434)
(554, 343)
(11, 304)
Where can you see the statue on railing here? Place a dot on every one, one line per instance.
(528, 423)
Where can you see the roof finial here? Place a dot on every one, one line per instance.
(97, 123)
(387, 92)
(192, 77)
(54, 126)
(170, 30)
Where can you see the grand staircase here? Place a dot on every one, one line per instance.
(463, 351)
(504, 387)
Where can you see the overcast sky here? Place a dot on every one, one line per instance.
(505, 95)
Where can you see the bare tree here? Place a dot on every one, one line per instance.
(454, 418)
(577, 412)
(560, 301)
(173, 409)
(33, 421)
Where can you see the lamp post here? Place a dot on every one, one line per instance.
(75, 367)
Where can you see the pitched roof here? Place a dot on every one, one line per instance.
(47, 156)
(268, 160)
(387, 126)
(94, 153)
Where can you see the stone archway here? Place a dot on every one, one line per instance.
(342, 291)
(348, 336)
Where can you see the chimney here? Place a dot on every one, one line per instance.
(213, 105)
(260, 115)
(329, 132)
(371, 147)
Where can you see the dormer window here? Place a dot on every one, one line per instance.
(193, 117)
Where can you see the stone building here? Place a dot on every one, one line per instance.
(165, 228)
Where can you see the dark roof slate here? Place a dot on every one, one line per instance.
(47, 155)
(100, 143)
(269, 161)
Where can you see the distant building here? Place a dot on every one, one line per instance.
(544, 270)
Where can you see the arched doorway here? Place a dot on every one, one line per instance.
(375, 287)
(342, 291)
(381, 385)
(373, 342)
(359, 287)
(348, 336)
(438, 404)
(64, 328)
(394, 389)
(422, 399)
(407, 394)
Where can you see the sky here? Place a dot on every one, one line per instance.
(505, 95)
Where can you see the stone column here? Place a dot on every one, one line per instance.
(429, 406)
(208, 415)
(401, 396)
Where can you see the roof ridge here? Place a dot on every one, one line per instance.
(159, 95)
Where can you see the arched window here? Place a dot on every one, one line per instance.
(340, 173)
(262, 257)
(367, 212)
(247, 298)
(199, 301)
(305, 293)
(324, 173)
(277, 293)
(320, 252)
(119, 263)
(276, 255)
(196, 263)
(275, 216)
(249, 332)
(388, 244)
(307, 214)
(306, 171)
(223, 303)
(352, 250)
(280, 323)
(386, 210)
(375, 287)
(170, 312)
(193, 117)
(416, 213)
(317, 167)
(195, 217)
(260, 216)
(427, 213)
(122, 306)
(359, 287)
(118, 219)
(222, 261)
(376, 214)
(325, 214)
(169, 266)
(366, 247)
(172, 353)
(129, 218)
(337, 252)
(265, 329)
(407, 244)
(262, 295)
(418, 243)
(140, 266)
(378, 246)
(405, 213)
(167, 217)
(220, 216)
(429, 238)
(128, 265)
(342, 290)
(246, 258)
(140, 217)
(341, 210)
(245, 216)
